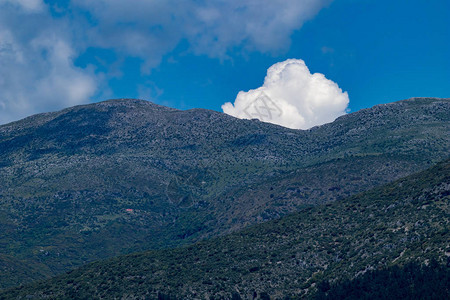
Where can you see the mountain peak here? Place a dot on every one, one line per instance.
(131, 103)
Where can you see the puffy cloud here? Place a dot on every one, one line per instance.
(292, 97)
(37, 73)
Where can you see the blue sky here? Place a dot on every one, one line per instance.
(186, 53)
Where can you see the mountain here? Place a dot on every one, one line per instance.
(121, 176)
(402, 223)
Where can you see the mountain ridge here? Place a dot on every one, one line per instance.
(66, 183)
(123, 101)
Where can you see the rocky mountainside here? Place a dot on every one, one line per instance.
(394, 225)
(121, 176)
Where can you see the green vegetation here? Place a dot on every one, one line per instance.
(96, 181)
(412, 281)
(404, 222)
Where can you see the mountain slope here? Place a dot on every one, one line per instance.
(405, 221)
(121, 176)
(411, 281)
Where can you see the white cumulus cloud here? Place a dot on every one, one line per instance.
(291, 97)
